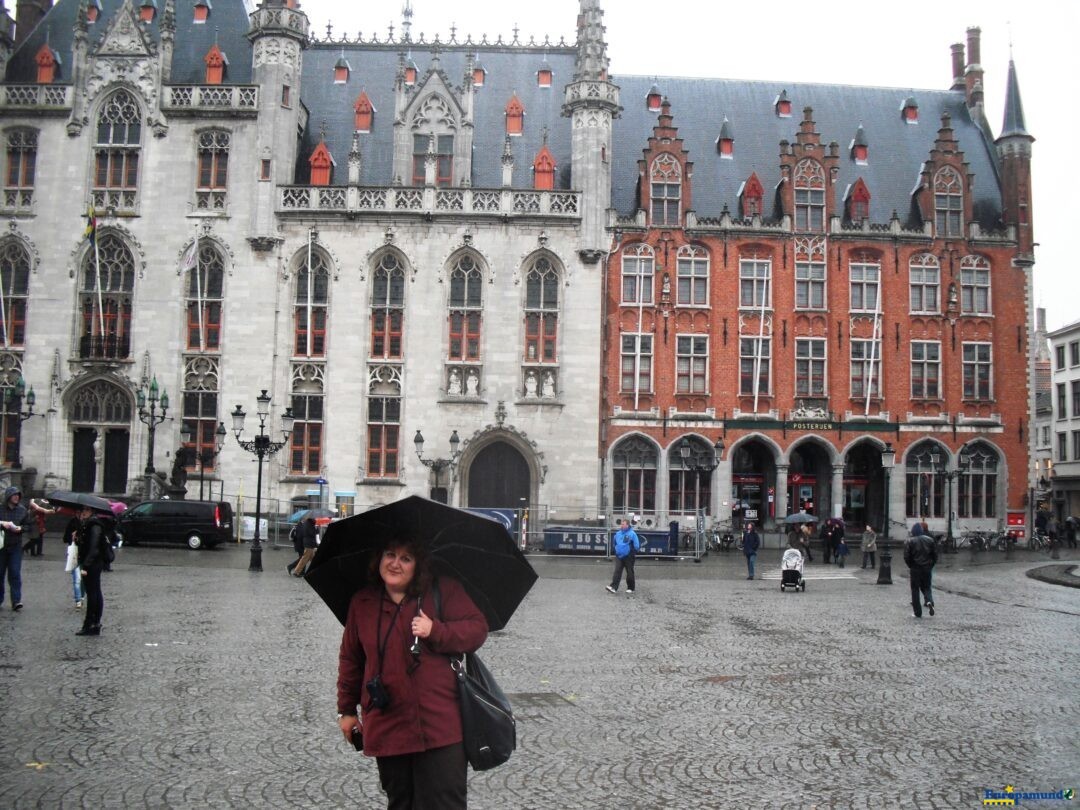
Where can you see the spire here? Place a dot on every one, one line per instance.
(1013, 123)
(592, 61)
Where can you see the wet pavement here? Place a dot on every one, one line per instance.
(214, 687)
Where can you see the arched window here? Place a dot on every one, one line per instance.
(15, 283)
(689, 489)
(205, 282)
(99, 403)
(387, 307)
(116, 153)
(637, 274)
(466, 308)
(202, 385)
(434, 123)
(925, 490)
(948, 203)
(924, 280)
(666, 190)
(809, 197)
(693, 277)
(213, 170)
(633, 468)
(306, 440)
(21, 168)
(105, 301)
(541, 311)
(312, 293)
(977, 484)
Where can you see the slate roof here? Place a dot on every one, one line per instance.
(510, 70)
(897, 149)
(227, 25)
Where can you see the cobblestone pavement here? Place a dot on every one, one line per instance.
(214, 687)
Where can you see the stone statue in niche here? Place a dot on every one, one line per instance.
(530, 384)
(547, 385)
(453, 387)
(472, 383)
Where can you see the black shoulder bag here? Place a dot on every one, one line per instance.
(487, 719)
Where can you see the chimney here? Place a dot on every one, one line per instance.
(973, 73)
(1040, 320)
(28, 13)
(957, 66)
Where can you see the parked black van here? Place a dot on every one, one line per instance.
(197, 523)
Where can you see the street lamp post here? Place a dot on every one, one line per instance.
(13, 400)
(262, 447)
(888, 459)
(941, 463)
(438, 464)
(700, 462)
(152, 417)
(204, 455)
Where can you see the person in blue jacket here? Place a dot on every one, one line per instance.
(750, 545)
(627, 545)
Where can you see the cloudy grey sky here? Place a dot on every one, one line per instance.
(785, 40)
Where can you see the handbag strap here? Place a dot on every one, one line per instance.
(457, 663)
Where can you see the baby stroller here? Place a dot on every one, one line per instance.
(791, 568)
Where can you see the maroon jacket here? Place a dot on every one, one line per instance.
(423, 711)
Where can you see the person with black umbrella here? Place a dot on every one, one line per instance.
(397, 696)
(94, 553)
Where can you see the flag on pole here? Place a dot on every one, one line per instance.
(190, 257)
(91, 225)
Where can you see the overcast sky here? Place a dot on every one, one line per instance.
(840, 43)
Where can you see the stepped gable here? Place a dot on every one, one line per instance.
(228, 26)
(699, 106)
(510, 68)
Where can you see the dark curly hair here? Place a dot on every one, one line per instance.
(422, 576)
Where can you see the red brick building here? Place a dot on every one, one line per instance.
(809, 292)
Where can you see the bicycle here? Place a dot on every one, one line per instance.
(1039, 541)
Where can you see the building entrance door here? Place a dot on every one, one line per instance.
(116, 461)
(499, 478)
(83, 465)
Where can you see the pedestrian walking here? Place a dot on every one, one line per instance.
(869, 546)
(627, 545)
(841, 553)
(826, 542)
(807, 535)
(397, 696)
(309, 540)
(14, 521)
(750, 545)
(94, 551)
(1070, 531)
(920, 554)
(36, 542)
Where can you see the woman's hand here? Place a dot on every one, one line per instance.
(347, 723)
(421, 625)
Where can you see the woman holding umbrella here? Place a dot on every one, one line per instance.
(396, 693)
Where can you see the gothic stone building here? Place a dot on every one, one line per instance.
(567, 272)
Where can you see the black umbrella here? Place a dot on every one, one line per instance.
(474, 549)
(78, 500)
(800, 517)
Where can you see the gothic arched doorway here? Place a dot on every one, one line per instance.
(864, 486)
(810, 480)
(499, 478)
(753, 481)
(101, 418)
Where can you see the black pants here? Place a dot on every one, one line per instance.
(95, 601)
(920, 584)
(35, 545)
(869, 555)
(430, 780)
(621, 564)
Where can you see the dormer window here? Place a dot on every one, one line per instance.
(411, 71)
(341, 70)
(725, 142)
(93, 11)
(859, 147)
(147, 11)
(515, 116)
(654, 100)
(202, 11)
(782, 104)
(47, 63)
(216, 62)
(544, 77)
(544, 169)
(910, 111)
(859, 202)
(365, 113)
(750, 196)
(478, 75)
(322, 165)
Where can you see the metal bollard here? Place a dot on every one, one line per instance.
(884, 573)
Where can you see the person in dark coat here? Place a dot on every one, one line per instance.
(751, 542)
(35, 542)
(396, 644)
(93, 559)
(309, 541)
(920, 554)
(14, 522)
